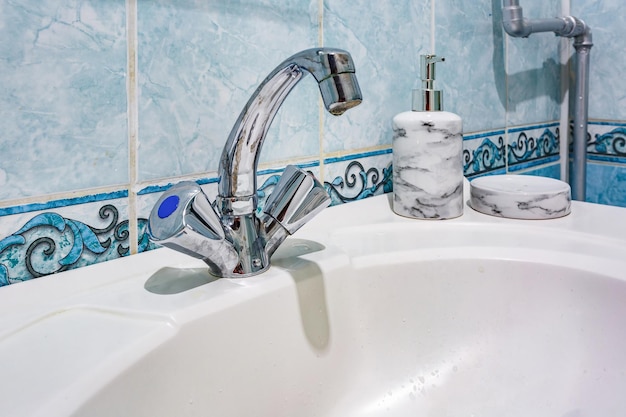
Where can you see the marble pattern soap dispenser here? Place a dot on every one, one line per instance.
(427, 154)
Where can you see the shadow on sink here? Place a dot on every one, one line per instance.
(168, 281)
(309, 279)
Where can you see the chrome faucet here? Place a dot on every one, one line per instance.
(229, 235)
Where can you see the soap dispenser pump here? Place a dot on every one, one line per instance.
(427, 154)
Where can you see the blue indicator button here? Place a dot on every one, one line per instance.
(168, 206)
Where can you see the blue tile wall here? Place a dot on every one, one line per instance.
(606, 163)
(607, 100)
(473, 77)
(606, 184)
(63, 96)
(198, 63)
(385, 42)
(106, 103)
(533, 70)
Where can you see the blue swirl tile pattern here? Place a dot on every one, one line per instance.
(484, 153)
(358, 183)
(530, 146)
(49, 243)
(606, 166)
(608, 146)
(533, 146)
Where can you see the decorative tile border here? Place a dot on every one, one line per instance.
(54, 240)
(64, 234)
(531, 146)
(607, 142)
(354, 177)
(70, 233)
(484, 153)
(606, 163)
(489, 153)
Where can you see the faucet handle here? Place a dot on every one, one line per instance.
(296, 199)
(183, 219)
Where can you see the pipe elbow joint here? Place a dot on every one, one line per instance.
(572, 27)
(584, 40)
(518, 28)
(513, 20)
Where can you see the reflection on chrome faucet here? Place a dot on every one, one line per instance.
(229, 236)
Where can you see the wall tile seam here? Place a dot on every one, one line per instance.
(304, 162)
(96, 195)
(534, 168)
(149, 187)
(533, 164)
(132, 99)
(612, 162)
(510, 129)
(607, 122)
(530, 126)
(433, 25)
(63, 202)
(75, 195)
(320, 104)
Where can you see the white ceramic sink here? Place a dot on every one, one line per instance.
(364, 313)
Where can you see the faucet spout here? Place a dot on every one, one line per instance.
(333, 69)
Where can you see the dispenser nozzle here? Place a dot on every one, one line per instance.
(427, 66)
(428, 99)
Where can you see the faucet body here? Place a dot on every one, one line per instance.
(229, 235)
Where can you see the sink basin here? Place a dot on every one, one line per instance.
(363, 313)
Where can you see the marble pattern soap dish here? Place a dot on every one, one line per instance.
(520, 196)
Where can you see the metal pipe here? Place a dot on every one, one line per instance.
(582, 45)
(516, 25)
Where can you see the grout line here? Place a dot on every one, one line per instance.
(564, 55)
(321, 139)
(131, 191)
(320, 103)
(536, 167)
(432, 26)
(607, 122)
(565, 7)
(133, 123)
(122, 190)
(62, 202)
(506, 101)
(70, 195)
(521, 128)
(320, 22)
(360, 151)
(351, 157)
